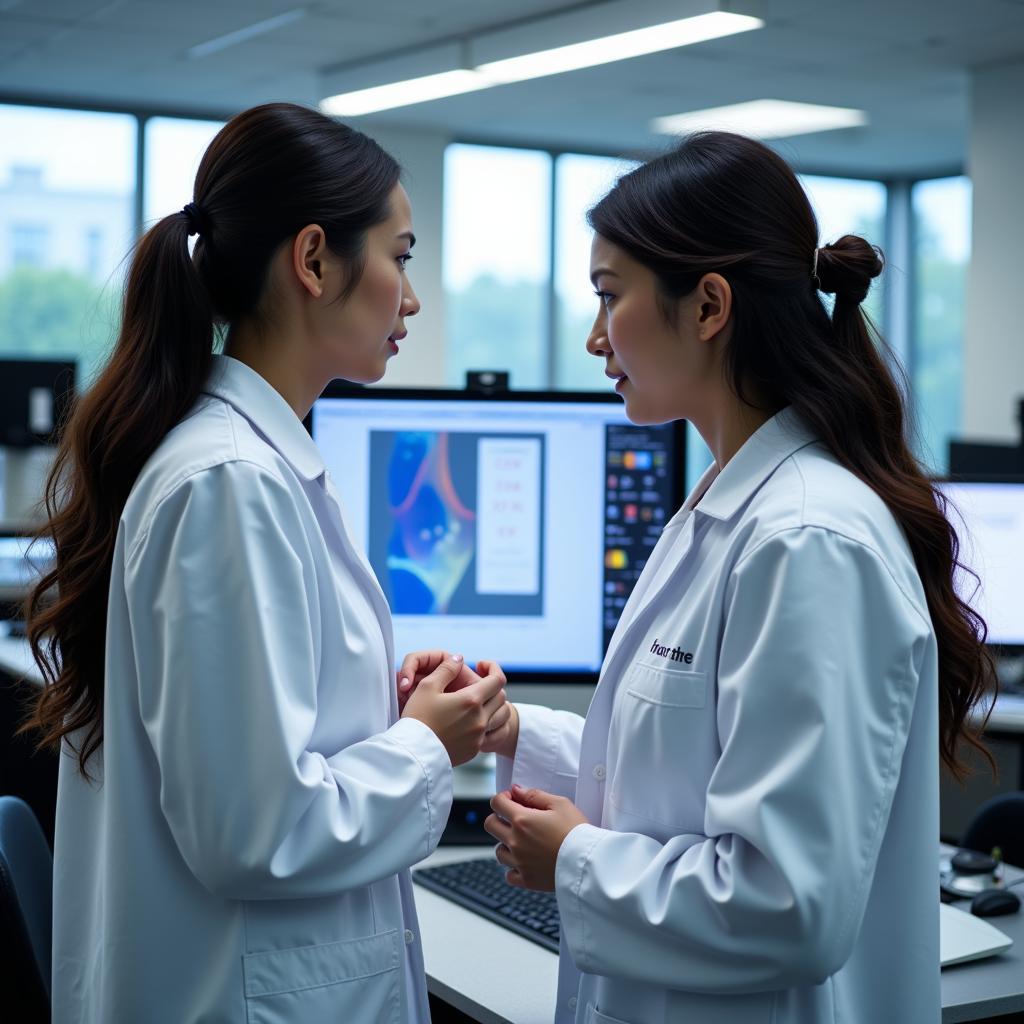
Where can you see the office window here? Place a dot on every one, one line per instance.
(497, 225)
(942, 249)
(580, 181)
(62, 172)
(173, 148)
(29, 243)
(93, 251)
(847, 206)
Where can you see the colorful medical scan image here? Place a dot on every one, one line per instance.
(456, 521)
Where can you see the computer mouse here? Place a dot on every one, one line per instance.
(994, 902)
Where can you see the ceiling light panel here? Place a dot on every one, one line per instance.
(763, 119)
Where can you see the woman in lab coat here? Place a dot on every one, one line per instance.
(239, 801)
(745, 827)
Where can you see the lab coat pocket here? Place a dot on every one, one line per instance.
(350, 981)
(667, 687)
(594, 1016)
(661, 750)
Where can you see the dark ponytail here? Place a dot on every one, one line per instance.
(724, 203)
(269, 172)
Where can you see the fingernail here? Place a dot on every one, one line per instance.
(404, 683)
(516, 788)
(456, 657)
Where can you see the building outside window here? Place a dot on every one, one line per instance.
(62, 172)
(29, 243)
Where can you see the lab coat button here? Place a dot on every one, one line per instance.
(572, 1002)
(409, 936)
(599, 772)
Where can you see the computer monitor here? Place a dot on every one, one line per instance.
(34, 398)
(989, 520)
(22, 562)
(510, 526)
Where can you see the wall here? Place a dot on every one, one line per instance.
(994, 352)
(421, 153)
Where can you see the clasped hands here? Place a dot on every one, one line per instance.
(529, 824)
(466, 709)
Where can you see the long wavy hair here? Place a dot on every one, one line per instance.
(719, 202)
(269, 172)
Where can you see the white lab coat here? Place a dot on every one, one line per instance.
(244, 857)
(759, 764)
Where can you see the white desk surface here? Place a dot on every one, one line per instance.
(496, 977)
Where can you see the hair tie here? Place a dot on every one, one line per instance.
(814, 270)
(197, 221)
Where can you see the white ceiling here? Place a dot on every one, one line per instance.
(908, 63)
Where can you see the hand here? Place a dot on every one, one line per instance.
(502, 736)
(534, 827)
(421, 663)
(459, 715)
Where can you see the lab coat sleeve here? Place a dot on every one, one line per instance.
(547, 752)
(225, 623)
(819, 662)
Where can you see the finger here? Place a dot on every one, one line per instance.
(441, 676)
(492, 705)
(513, 877)
(489, 686)
(489, 668)
(418, 663)
(465, 678)
(493, 741)
(503, 855)
(498, 719)
(501, 830)
(502, 804)
(533, 798)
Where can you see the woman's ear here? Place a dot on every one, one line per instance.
(713, 306)
(307, 259)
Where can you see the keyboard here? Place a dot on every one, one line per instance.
(479, 885)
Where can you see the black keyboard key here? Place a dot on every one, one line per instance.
(479, 885)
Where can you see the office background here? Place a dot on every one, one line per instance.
(105, 108)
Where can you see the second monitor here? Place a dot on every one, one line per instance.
(509, 526)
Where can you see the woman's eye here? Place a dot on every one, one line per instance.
(604, 297)
(404, 258)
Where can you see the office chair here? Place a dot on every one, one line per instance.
(26, 905)
(999, 822)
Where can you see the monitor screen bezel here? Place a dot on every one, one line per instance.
(342, 389)
(997, 649)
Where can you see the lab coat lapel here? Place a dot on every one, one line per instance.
(363, 573)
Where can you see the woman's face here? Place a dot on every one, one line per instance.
(366, 329)
(657, 367)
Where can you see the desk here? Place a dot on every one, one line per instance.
(468, 961)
